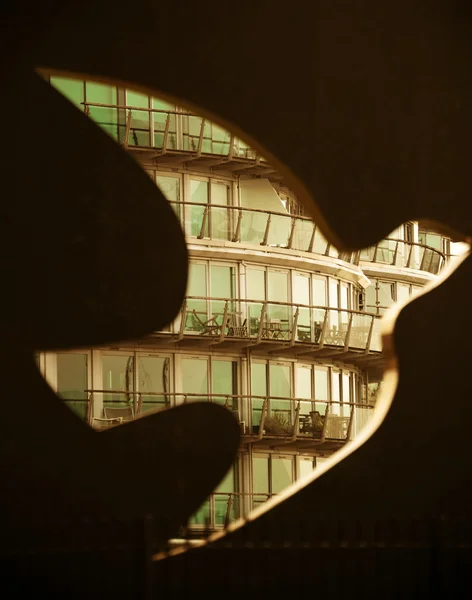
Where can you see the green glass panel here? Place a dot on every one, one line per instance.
(282, 474)
(260, 474)
(106, 117)
(72, 381)
(259, 388)
(118, 376)
(226, 505)
(195, 378)
(72, 89)
(153, 377)
(195, 214)
(202, 517)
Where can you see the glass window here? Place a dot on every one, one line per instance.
(256, 284)
(277, 286)
(386, 293)
(282, 474)
(371, 295)
(258, 388)
(255, 291)
(321, 383)
(335, 393)
(195, 378)
(301, 288)
(224, 382)
(346, 393)
(303, 387)
(303, 381)
(223, 496)
(301, 295)
(105, 116)
(403, 292)
(140, 119)
(196, 279)
(159, 120)
(222, 281)
(153, 378)
(306, 466)
(197, 309)
(170, 187)
(279, 378)
(72, 381)
(280, 386)
(197, 223)
(260, 475)
(277, 291)
(118, 377)
(333, 293)
(72, 89)
(220, 217)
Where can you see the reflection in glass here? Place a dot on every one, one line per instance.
(118, 375)
(196, 223)
(153, 378)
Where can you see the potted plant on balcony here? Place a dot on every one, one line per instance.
(277, 424)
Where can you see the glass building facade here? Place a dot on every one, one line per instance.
(278, 326)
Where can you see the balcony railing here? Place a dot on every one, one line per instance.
(275, 230)
(223, 508)
(226, 319)
(309, 420)
(410, 255)
(168, 131)
(255, 227)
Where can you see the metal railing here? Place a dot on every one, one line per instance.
(295, 419)
(168, 130)
(409, 255)
(288, 324)
(178, 130)
(255, 227)
(220, 509)
(293, 232)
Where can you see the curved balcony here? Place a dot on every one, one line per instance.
(254, 227)
(405, 255)
(265, 421)
(278, 327)
(176, 137)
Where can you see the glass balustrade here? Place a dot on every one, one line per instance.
(260, 322)
(259, 228)
(267, 416)
(403, 254)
